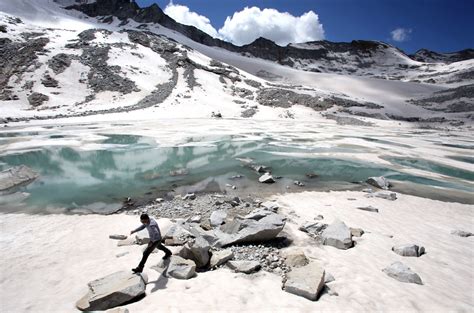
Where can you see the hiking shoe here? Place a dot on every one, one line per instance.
(137, 270)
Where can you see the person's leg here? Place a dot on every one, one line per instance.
(164, 249)
(151, 246)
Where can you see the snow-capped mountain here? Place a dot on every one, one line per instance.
(62, 58)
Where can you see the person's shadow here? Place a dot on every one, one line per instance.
(162, 280)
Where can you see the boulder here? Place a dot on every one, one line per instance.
(112, 290)
(368, 209)
(178, 234)
(313, 228)
(379, 182)
(218, 217)
(306, 281)
(403, 273)
(461, 233)
(196, 250)
(337, 235)
(181, 268)
(356, 232)
(246, 267)
(409, 250)
(118, 237)
(37, 99)
(266, 178)
(248, 230)
(296, 259)
(16, 176)
(220, 257)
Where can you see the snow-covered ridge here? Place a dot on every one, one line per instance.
(58, 62)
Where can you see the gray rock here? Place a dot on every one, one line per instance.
(16, 176)
(296, 259)
(246, 267)
(379, 182)
(189, 196)
(220, 257)
(178, 234)
(196, 250)
(181, 268)
(461, 233)
(118, 237)
(403, 273)
(337, 235)
(409, 250)
(218, 217)
(37, 99)
(306, 281)
(248, 230)
(266, 178)
(313, 228)
(368, 209)
(112, 290)
(392, 196)
(356, 232)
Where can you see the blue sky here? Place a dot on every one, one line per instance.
(440, 25)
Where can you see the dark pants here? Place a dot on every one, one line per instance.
(149, 250)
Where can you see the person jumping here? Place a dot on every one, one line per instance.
(155, 240)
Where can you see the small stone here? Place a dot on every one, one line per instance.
(409, 250)
(118, 237)
(368, 209)
(189, 196)
(403, 273)
(357, 232)
(266, 178)
(379, 182)
(246, 267)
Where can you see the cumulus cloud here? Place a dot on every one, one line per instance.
(183, 15)
(401, 34)
(247, 25)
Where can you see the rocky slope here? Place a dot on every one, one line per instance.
(359, 57)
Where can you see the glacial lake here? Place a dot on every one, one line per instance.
(95, 167)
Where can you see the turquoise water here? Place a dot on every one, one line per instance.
(122, 165)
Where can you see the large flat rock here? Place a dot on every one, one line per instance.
(249, 230)
(112, 290)
(306, 281)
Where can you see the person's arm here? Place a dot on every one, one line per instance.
(138, 229)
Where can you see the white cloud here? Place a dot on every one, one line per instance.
(401, 34)
(250, 23)
(183, 15)
(247, 25)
